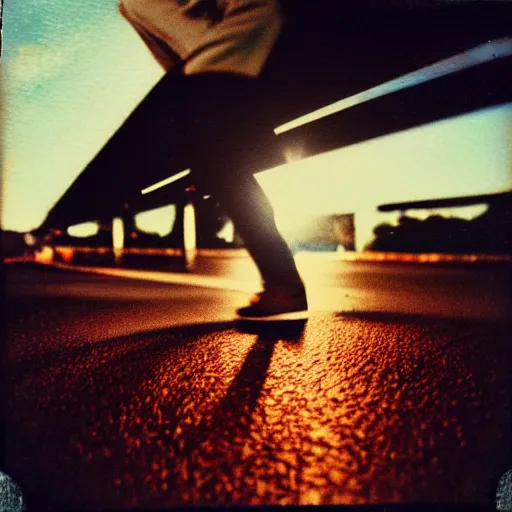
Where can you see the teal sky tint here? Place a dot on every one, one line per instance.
(43, 21)
(49, 22)
(43, 35)
(72, 72)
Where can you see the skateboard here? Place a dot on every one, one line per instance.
(295, 316)
(286, 326)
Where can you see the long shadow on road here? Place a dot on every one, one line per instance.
(81, 416)
(163, 418)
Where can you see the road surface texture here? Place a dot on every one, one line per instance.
(129, 393)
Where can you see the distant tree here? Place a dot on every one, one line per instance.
(489, 233)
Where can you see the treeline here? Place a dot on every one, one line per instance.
(490, 233)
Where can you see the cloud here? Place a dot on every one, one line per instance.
(35, 62)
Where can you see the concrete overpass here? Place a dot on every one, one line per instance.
(462, 63)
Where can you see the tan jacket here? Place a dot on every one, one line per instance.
(207, 35)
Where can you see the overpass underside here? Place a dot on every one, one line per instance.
(452, 74)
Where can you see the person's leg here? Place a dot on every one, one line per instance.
(210, 124)
(239, 142)
(245, 202)
(290, 86)
(251, 212)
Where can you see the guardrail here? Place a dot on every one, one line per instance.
(502, 198)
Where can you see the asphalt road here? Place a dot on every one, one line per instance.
(126, 393)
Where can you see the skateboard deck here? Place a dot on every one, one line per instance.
(283, 317)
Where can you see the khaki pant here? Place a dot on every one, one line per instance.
(233, 36)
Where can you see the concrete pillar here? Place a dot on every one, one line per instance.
(118, 239)
(189, 234)
(184, 233)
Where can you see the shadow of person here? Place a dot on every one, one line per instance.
(222, 434)
(233, 414)
(106, 384)
(237, 406)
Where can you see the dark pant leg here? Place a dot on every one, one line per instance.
(213, 124)
(252, 214)
(238, 142)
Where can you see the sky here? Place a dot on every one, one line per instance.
(73, 71)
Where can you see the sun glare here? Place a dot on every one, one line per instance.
(439, 160)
